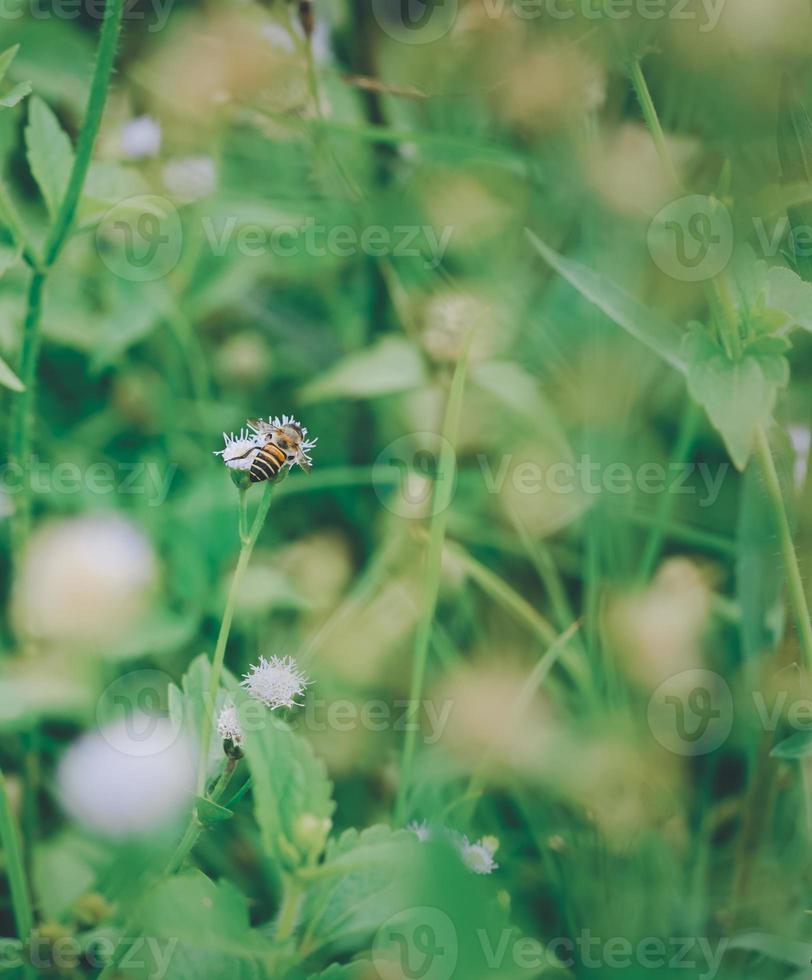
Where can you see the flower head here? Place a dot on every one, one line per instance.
(228, 724)
(240, 451)
(478, 857)
(276, 682)
(421, 830)
(288, 433)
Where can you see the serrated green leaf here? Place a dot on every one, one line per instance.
(292, 794)
(9, 379)
(50, 154)
(644, 324)
(738, 396)
(796, 746)
(200, 929)
(374, 872)
(391, 365)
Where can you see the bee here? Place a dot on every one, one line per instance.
(282, 442)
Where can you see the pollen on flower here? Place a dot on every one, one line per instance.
(240, 450)
(276, 682)
(228, 724)
(478, 857)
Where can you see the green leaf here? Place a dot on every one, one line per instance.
(199, 929)
(374, 874)
(794, 139)
(796, 746)
(292, 794)
(352, 971)
(738, 396)
(391, 365)
(787, 292)
(6, 57)
(50, 154)
(15, 95)
(778, 948)
(188, 704)
(210, 813)
(644, 324)
(9, 379)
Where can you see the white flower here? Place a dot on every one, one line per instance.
(301, 457)
(420, 830)
(228, 724)
(130, 778)
(190, 178)
(276, 682)
(141, 138)
(84, 580)
(240, 451)
(478, 857)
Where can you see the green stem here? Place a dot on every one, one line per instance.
(15, 867)
(641, 89)
(225, 629)
(20, 435)
(795, 585)
(289, 910)
(441, 500)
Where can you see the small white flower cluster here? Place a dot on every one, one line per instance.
(141, 138)
(277, 683)
(477, 856)
(241, 450)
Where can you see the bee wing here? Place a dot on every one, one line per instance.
(305, 466)
(261, 427)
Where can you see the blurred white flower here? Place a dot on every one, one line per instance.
(141, 138)
(128, 779)
(84, 580)
(420, 830)
(190, 178)
(228, 724)
(276, 682)
(478, 857)
(240, 451)
(801, 439)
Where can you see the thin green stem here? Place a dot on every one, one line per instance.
(225, 629)
(15, 867)
(289, 910)
(441, 500)
(641, 89)
(795, 585)
(20, 433)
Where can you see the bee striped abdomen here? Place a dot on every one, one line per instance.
(268, 463)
